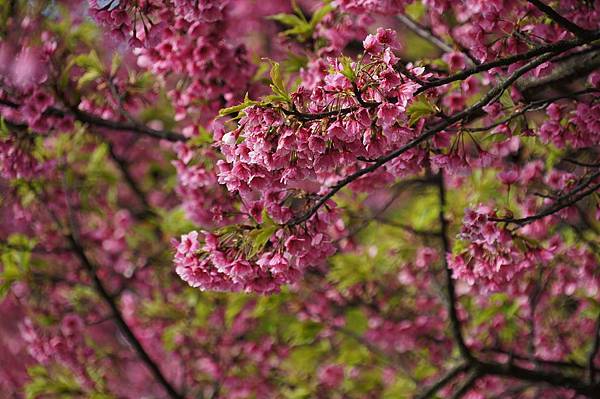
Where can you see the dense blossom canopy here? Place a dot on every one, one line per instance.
(300, 199)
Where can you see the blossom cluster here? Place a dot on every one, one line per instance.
(494, 256)
(229, 260)
(274, 149)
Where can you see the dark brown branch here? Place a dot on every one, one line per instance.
(427, 35)
(533, 106)
(560, 20)
(407, 228)
(562, 202)
(359, 98)
(130, 180)
(106, 123)
(466, 385)
(119, 320)
(593, 352)
(554, 48)
(399, 67)
(443, 381)
(542, 362)
(565, 73)
(73, 238)
(582, 163)
(452, 299)
(550, 378)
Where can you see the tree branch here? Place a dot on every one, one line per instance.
(451, 292)
(550, 378)
(79, 252)
(593, 352)
(562, 202)
(106, 123)
(129, 179)
(443, 381)
(426, 34)
(467, 385)
(533, 106)
(554, 48)
(119, 320)
(560, 20)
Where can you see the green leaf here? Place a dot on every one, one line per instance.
(115, 64)
(420, 108)
(60, 384)
(15, 259)
(97, 160)
(294, 62)
(260, 237)
(89, 61)
(278, 86)
(356, 321)
(236, 109)
(298, 26)
(298, 10)
(175, 222)
(287, 19)
(415, 10)
(320, 14)
(3, 129)
(347, 70)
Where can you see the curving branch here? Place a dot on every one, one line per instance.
(120, 320)
(94, 120)
(533, 106)
(77, 249)
(564, 201)
(560, 20)
(593, 352)
(467, 385)
(443, 381)
(429, 36)
(549, 378)
(555, 48)
(451, 292)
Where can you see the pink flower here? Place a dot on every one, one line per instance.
(331, 375)
(388, 113)
(387, 37)
(509, 177)
(372, 45)
(455, 60)
(29, 68)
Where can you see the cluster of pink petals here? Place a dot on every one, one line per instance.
(65, 346)
(219, 262)
(493, 258)
(270, 151)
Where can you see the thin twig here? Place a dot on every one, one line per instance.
(555, 48)
(562, 202)
(85, 117)
(429, 36)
